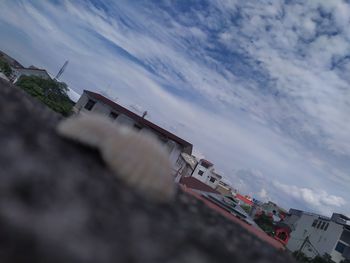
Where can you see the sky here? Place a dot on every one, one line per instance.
(260, 88)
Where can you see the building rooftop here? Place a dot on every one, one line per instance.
(190, 160)
(188, 146)
(244, 199)
(193, 183)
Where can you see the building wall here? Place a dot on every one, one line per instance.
(323, 241)
(208, 173)
(344, 239)
(197, 173)
(30, 72)
(173, 148)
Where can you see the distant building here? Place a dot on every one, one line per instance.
(96, 103)
(185, 166)
(193, 183)
(11, 61)
(314, 234)
(244, 200)
(282, 232)
(31, 71)
(224, 188)
(205, 173)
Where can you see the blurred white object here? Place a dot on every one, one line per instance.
(137, 158)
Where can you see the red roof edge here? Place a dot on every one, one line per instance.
(194, 183)
(244, 199)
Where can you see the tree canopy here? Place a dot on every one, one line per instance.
(50, 92)
(5, 68)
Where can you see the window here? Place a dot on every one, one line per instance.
(90, 104)
(326, 227)
(200, 172)
(314, 223)
(179, 160)
(137, 127)
(340, 247)
(282, 236)
(113, 115)
(319, 224)
(212, 179)
(323, 224)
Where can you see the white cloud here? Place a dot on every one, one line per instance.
(269, 103)
(314, 198)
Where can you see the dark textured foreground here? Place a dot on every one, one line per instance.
(59, 203)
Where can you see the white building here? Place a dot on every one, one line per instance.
(185, 166)
(31, 71)
(96, 103)
(205, 173)
(314, 234)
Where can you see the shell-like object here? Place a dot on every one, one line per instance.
(136, 157)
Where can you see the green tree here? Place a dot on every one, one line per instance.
(301, 257)
(265, 223)
(50, 92)
(326, 258)
(5, 68)
(246, 208)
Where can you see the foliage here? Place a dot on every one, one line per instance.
(246, 208)
(265, 223)
(326, 258)
(50, 92)
(302, 258)
(345, 261)
(5, 68)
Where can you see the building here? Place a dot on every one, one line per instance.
(205, 173)
(282, 232)
(31, 71)
(244, 200)
(185, 166)
(224, 188)
(195, 184)
(96, 103)
(314, 234)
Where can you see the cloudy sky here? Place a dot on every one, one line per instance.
(261, 88)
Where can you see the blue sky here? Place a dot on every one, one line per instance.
(261, 88)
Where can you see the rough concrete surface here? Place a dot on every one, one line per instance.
(59, 203)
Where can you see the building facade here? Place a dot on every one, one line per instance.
(18, 72)
(91, 102)
(315, 235)
(205, 173)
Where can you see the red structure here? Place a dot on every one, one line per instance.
(282, 233)
(244, 199)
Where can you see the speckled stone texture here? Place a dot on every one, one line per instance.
(60, 203)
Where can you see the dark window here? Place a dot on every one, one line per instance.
(212, 179)
(314, 223)
(90, 104)
(179, 160)
(200, 172)
(326, 227)
(282, 236)
(113, 115)
(323, 224)
(340, 247)
(319, 224)
(137, 127)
